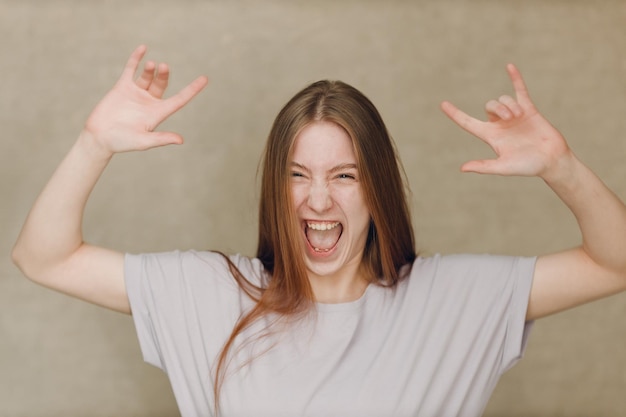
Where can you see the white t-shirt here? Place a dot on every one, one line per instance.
(434, 345)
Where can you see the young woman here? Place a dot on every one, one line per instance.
(336, 315)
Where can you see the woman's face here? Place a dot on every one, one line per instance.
(328, 199)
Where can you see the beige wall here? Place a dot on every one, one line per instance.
(61, 357)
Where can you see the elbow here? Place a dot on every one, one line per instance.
(617, 279)
(44, 265)
(622, 275)
(33, 266)
(619, 271)
(19, 256)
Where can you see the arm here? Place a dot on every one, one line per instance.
(527, 144)
(50, 249)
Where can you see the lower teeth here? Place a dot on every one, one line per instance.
(320, 250)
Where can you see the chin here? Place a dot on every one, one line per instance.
(321, 269)
(328, 265)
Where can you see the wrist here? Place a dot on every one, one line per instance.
(91, 147)
(563, 173)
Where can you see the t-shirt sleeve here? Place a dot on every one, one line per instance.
(183, 303)
(492, 294)
(142, 299)
(518, 329)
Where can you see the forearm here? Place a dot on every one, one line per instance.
(53, 229)
(600, 214)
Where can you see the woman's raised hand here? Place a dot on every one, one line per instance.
(125, 119)
(524, 142)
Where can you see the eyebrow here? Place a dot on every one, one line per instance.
(340, 167)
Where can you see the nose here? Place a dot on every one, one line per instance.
(319, 199)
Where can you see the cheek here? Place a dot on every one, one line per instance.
(364, 212)
(297, 194)
(364, 220)
(357, 208)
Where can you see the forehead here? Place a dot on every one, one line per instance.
(323, 144)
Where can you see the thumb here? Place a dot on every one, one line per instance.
(156, 139)
(485, 166)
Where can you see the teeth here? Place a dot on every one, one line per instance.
(322, 226)
(320, 250)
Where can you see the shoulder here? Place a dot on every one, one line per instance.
(455, 286)
(467, 265)
(191, 266)
(465, 274)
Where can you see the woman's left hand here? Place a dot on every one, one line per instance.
(525, 143)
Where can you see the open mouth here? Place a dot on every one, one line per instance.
(323, 236)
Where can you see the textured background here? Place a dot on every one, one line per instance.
(62, 357)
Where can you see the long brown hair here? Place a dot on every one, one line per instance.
(390, 243)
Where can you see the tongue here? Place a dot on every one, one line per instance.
(323, 239)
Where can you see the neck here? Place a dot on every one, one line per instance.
(338, 288)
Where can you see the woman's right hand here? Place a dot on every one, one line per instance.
(50, 249)
(126, 117)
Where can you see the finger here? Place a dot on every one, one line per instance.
(497, 111)
(519, 85)
(160, 82)
(166, 138)
(514, 107)
(461, 118)
(485, 166)
(133, 62)
(147, 75)
(155, 139)
(181, 98)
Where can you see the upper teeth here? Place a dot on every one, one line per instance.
(322, 226)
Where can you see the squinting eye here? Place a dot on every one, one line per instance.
(296, 174)
(346, 176)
